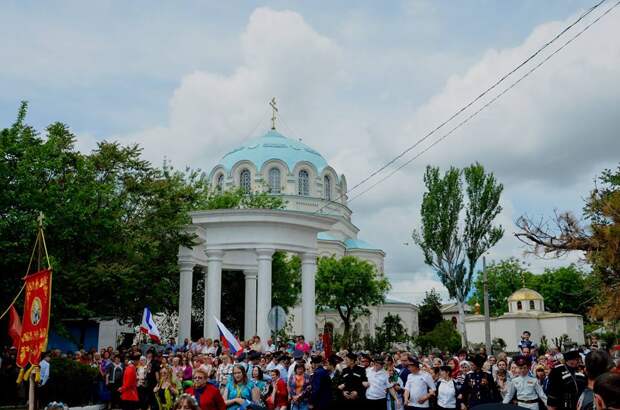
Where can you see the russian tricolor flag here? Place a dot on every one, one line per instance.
(149, 327)
(229, 341)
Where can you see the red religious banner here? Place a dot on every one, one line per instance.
(36, 318)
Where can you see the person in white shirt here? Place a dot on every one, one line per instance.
(419, 387)
(377, 385)
(446, 392)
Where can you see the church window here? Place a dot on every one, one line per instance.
(304, 183)
(245, 181)
(220, 182)
(532, 307)
(274, 181)
(327, 188)
(519, 305)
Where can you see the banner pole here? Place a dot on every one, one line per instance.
(31, 382)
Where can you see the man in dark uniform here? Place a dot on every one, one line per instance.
(336, 379)
(479, 386)
(321, 391)
(351, 386)
(566, 383)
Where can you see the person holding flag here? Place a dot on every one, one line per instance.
(149, 327)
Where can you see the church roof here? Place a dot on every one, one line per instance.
(358, 244)
(273, 145)
(524, 294)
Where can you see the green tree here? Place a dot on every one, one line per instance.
(450, 250)
(429, 311)
(389, 332)
(348, 285)
(567, 289)
(598, 237)
(113, 221)
(504, 278)
(443, 336)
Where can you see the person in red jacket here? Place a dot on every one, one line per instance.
(278, 400)
(207, 395)
(129, 389)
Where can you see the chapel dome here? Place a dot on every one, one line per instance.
(524, 294)
(273, 145)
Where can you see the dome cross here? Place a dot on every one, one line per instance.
(274, 110)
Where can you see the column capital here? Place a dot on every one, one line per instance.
(250, 274)
(309, 257)
(215, 254)
(185, 265)
(264, 253)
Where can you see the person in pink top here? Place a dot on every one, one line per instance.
(301, 345)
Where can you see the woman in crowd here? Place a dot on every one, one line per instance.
(464, 368)
(238, 391)
(501, 379)
(141, 381)
(166, 390)
(260, 387)
(186, 402)
(514, 371)
(279, 394)
(299, 388)
(446, 390)
(224, 371)
(187, 371)
(396, 384)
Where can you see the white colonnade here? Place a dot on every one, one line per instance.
(245, 240)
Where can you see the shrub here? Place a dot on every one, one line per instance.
(71, 382)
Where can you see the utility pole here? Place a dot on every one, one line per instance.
(487, 318)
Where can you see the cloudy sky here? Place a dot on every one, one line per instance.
(358, 81)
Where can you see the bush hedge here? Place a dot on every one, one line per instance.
(71, 382)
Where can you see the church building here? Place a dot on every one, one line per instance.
(316, 222)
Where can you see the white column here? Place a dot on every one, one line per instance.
(263, 299)
(213, 292)
(308, 271)
(249, 328)
(185, 301)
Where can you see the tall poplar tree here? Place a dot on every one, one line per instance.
(452, 242)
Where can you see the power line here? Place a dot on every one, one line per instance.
(472, 102)
(493, 100)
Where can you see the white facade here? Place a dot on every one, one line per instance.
(526, 312)
(316, 222)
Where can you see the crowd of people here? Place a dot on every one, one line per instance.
(204, 375)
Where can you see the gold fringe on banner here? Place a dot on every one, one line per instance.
(37, 374)
(20, 377)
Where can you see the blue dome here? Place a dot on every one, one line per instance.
(273, 145)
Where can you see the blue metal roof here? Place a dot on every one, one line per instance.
(324, 236)
(358, 244)
(273, 145)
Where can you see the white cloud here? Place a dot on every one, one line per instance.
(544, 140)
(211, 112)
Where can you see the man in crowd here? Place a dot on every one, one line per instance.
(607, 391)
(114, 380)
(419, 388)
(479, 386)
(524, 388)
(597, 363)
(321, 390)
(352, 388)
(566, 383)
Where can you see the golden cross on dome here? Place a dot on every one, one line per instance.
(273, 114)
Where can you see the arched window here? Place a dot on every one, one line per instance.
(245, 181)
(532, 307)
(327, 188)
(304, 183)
(519, 305)
(220, 182)
(274, 181)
